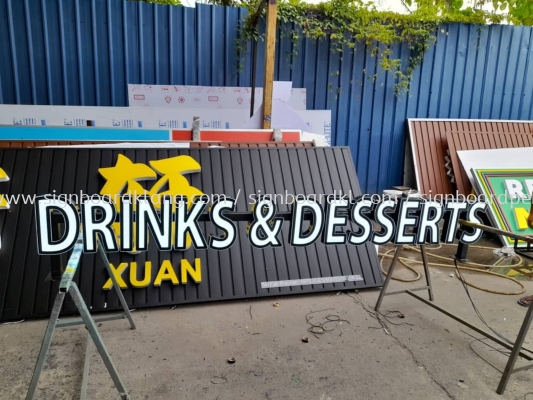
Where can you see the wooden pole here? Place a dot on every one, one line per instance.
(270, 56)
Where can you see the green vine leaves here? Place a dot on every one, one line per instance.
(347, 23)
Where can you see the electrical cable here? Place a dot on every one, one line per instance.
(376, 314)
(460, 276)
(465, 284)
(480, 356)
(319, 328)
(404, 261)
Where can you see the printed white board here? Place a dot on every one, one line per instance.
(511, 158)
(129, 145)
(211, 97)
(317, 122)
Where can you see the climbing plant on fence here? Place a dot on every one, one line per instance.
(347, 23)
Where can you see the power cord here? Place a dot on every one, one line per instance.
(404, 261)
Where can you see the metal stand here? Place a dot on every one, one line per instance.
(428, 286)
(68, 286)
(509, 368)
(516, 348)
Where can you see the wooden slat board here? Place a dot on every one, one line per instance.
(458, 141)
(429, 145)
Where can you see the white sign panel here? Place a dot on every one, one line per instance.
(128, 145)
(105, 117)
(513, 158)
(212, 97)
(318, 122)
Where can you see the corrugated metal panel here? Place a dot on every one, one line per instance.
(429, 147)
(458, 141)
(85, 52)
(229, 274)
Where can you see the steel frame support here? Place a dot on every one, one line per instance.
(516, 348)
(68, 286)
(428, 286)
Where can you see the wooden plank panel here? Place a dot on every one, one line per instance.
(420, 145)
(429, 141)
(458, 141)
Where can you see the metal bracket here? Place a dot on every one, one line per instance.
(195, 129)
(67, 286)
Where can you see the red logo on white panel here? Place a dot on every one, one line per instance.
(181, 99)
(168, 99)
(239, 100)
(138, 96)
(212, 98)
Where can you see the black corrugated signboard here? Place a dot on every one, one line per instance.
(240, 271)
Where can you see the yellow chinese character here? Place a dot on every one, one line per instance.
(172, 171)
(124, 178)
(125, 175)
(4, 205)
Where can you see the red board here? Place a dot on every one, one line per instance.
(224, 135)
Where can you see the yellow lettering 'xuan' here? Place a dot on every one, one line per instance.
(166, 272)
(126, 176)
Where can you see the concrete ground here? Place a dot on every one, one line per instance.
(182, 353)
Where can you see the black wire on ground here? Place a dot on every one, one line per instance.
(376, 314)
(319, 328)
(460, 276)
(505, 352)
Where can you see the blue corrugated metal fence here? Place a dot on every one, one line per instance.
(85, 52)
